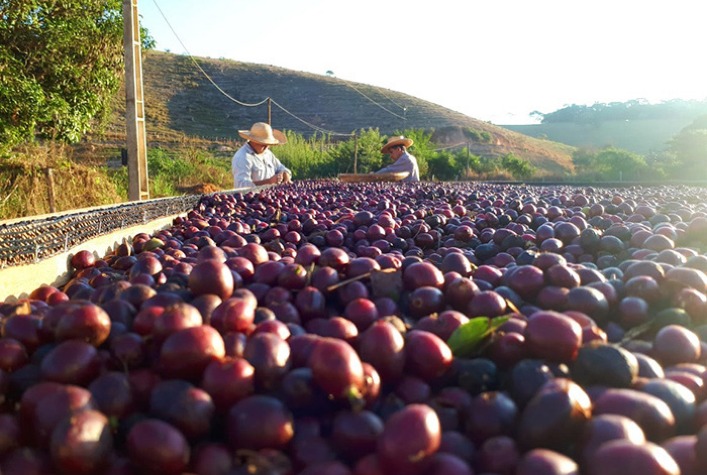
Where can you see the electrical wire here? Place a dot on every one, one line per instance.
(376, 103)
(316, 128)
(201, 69)
(380, 91)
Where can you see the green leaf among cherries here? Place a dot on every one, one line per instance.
(468, 339)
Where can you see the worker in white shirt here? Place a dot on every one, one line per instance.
(254, 164)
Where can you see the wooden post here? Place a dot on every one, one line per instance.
(355, 153)
(50, 186)
(269, 111)
(138, 187)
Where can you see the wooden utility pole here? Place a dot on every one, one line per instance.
(138, 187)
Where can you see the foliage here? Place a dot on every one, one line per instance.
(20, 103)
(306, 156)
(443, 166)
(59, 66)
(363, 149)
(611, 164)
(636, 109)
(119, 178)
(517, 167)
(171, 174)
(467, 162)
(177, 172)
(147, 41)
(480, 136)
(690, 150)
(319, 157)
(469, 338)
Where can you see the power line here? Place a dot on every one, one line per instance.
(376, 103)
(319, 129)
(199, 66)
(380, 91)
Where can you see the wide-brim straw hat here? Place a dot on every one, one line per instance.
(280, 136)
(262, 133)
(396, 140)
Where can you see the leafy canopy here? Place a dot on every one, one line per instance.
(690, 149)
(612, 164)
(60, 64)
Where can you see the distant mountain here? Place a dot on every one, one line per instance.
(641, 136)
(635, 125)
(181, 101)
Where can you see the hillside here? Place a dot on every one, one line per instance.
(181, 103)
(641, 136)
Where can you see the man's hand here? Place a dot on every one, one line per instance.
(276, 179)
(282, 177)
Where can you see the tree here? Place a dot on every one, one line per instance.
(517, 167)
(584, 161)
(60, 64)
(366, 147)
(621, 164)
(690, 149)
(611, 163)
(146, 39)
(442, 165)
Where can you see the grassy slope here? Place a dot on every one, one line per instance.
(181, 104)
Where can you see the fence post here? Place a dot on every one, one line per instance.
(50, 186)
(355, 153)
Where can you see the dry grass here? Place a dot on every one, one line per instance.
(34, 176)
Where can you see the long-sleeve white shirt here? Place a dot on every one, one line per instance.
(406, 163)
(247, 166)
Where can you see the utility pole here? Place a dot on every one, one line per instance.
(138, 187)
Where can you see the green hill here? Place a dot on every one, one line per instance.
(182, 102)
(641, 136)
(635, 125)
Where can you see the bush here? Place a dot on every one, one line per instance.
(610, 164)
(517, 167)
(480, 136)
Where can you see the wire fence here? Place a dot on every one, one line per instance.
(32, 240)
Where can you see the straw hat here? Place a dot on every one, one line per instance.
(396, 140)
(280, 136)
(262, 133)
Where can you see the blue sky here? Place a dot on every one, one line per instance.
(494, 60)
